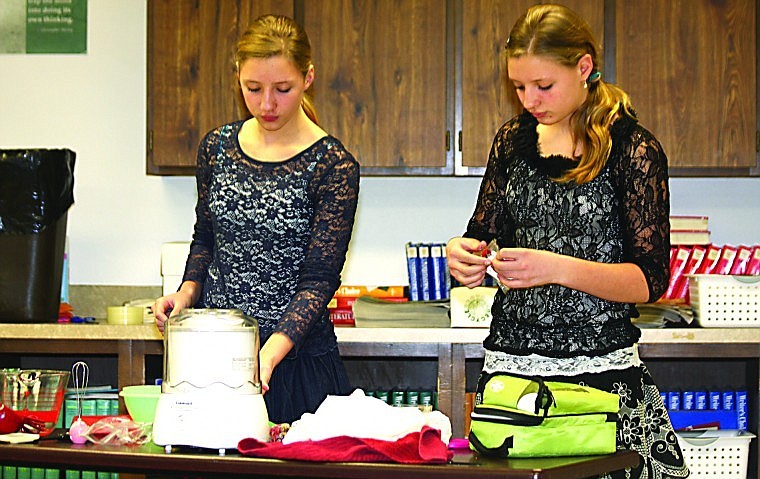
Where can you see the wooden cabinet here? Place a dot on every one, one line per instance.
(690, 68)
(485, 100)
(381, 70)
(417, 87)
(191, 74)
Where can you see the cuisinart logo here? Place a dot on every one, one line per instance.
(242, 363)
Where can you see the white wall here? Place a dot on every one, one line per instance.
(95, 105)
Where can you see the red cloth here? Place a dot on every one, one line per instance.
(424, 447)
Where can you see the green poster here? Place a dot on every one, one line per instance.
(43, 26)
(56, 26)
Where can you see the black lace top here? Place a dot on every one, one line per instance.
(271, 237)
(620, 216)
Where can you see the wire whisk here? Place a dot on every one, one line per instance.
(80, 374)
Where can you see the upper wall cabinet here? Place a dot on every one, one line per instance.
(484, 98)
(381, 81)
(417, 87)
(690, 68)
(191, 74)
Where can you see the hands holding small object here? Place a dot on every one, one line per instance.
(470, 260)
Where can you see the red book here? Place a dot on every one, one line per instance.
(676, 271)
(342, 316)
(753, 267)
(712, 255)
(726, 260)
(681, 289)
(741, 261)
(374, 291)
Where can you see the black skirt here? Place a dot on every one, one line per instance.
(301, 382)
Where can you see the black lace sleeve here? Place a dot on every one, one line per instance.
(641, 172)
(202, 245)
(335, 192)
(489, 219)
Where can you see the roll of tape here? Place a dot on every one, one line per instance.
(125, 314)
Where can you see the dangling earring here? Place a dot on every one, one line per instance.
(585, 85)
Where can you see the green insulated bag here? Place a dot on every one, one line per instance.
(528, 417)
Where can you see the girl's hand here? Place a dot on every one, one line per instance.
(171, 304)
(466, 260)
(526, 268)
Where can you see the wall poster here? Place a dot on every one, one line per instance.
(43, 26)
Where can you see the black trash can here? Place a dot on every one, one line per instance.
(36, 191)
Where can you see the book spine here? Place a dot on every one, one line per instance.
(446, 273)
(69, 411)
(102, 407)
(712, 255)
(423, 252)
(743, 255)
(413, 268)
(113, 407)
(350, 291)
(726, 260)
(342, 316)
(682, 255)
(696, 255)
(742, 410)
(753, 266)
(436, 274)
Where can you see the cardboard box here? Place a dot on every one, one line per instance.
(173, 258)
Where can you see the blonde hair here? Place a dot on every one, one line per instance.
(272, 35)
(557, 33)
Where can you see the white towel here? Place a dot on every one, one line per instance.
(362, 416)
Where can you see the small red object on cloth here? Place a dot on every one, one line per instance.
(424, 447)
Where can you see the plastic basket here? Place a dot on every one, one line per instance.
(709, 457)
(725, 300)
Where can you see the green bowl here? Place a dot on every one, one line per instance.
(141, 401)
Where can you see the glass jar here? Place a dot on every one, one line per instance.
(211, 350)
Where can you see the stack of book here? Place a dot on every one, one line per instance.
(686, 260)
(689, 230)
(372, 312)
(341, 306)
(428, 270)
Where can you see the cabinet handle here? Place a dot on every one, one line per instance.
(448, 140)
(460, 141)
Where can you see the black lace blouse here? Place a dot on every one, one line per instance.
(620, 216)
(271, 238)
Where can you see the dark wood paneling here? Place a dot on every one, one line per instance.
(381, 78)
(191, 73)
(487, 102)
(689, 67)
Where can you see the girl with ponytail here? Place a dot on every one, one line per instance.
(574, 206)
(276, 202)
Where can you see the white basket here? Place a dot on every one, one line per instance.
(711, 457)
(725, 301)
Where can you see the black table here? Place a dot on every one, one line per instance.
(151, 459)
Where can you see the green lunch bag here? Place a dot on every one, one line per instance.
(529, 417)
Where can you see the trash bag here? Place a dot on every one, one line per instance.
(36, 188)
(36, 191)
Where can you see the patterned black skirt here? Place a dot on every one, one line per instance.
(643, 423)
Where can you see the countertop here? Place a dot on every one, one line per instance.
(363, 335)
(150, 458)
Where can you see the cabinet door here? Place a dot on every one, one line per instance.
(191, 73)
(487, 101)
(689, 66)
(381, 78)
